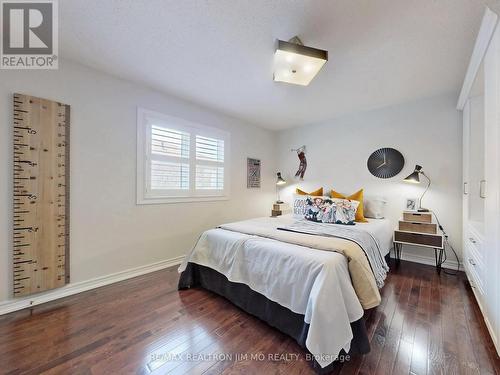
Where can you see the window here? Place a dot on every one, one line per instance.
(179, 161)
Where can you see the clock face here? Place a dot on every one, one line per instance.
(385, 163)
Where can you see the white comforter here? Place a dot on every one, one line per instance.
(307, 281)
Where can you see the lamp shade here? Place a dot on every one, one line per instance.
(414, 177)
(279, 179)
(297, 64)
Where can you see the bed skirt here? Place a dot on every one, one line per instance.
(271, 312)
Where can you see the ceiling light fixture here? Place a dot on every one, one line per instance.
(297, 64)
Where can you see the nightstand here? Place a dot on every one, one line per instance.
(418, 229)
(279, 209)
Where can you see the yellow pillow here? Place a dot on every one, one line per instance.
(315, 193)
(357, 196)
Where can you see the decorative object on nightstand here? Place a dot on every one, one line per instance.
(414, 178)
(418, 229)
(411, 204)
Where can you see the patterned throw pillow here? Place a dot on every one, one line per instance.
(299, 206)
(331, 210)
(357, 196)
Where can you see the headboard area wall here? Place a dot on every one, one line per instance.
(427, 132)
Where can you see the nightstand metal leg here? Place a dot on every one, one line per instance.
(441, 253)
(438, 254)
(397, 251)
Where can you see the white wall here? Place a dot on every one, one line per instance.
(428, 132)
(109, 232)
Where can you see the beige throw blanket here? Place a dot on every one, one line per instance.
(362, 276)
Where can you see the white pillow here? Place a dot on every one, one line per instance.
(374, 208)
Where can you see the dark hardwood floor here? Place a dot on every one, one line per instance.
(427, 324)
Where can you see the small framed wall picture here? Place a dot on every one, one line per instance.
(411, 204)
(253, 173)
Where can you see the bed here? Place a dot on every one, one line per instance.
(312, 281)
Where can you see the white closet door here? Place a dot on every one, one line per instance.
(492, 165)
(465, 166)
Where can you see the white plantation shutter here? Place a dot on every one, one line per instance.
(169, 167)
(169, 142)
(209, 177)
(180, 161)
(209, 149)
(209, 163)
(169, 176)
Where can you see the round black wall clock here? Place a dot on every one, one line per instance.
(385, 163)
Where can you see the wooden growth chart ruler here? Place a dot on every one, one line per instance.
(41, 194)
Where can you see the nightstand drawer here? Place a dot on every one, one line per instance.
(418, 239)
(407, 226)
(418, 217)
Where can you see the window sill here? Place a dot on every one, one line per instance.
(141, 201)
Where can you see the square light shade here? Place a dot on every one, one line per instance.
(297, 64)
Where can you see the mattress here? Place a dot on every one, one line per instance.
(382, 230)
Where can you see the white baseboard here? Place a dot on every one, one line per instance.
(450, 264)
(74, 288)
(491, 331)
(486, 320)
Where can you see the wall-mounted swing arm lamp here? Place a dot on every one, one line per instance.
(414, 178)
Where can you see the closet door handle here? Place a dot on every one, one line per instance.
(465, 188)
(472, 240)
(472, 262)
(482, 189)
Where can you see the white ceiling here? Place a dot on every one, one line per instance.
(219, 53)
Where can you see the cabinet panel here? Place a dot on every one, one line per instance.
(481, 171)
(491, 246)
(476, 154)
